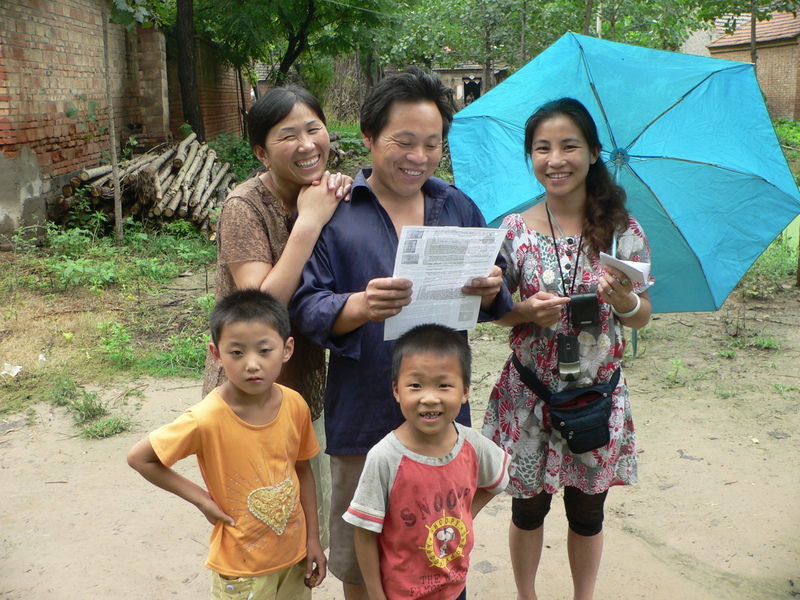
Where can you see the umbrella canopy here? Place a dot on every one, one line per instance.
(688, 137)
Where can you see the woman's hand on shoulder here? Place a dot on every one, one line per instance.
(317, 202)
(341, 184)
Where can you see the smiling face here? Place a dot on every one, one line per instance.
(252, 354)
(296, 149)
(561, 157)
(407, 150)
(430, 390)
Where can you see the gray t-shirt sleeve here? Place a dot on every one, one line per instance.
(371, 499)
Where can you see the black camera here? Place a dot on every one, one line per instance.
(584, 309)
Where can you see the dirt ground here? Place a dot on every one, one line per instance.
(716, 514)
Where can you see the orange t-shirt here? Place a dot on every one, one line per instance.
(249, 470)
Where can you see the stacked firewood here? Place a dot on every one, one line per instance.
(184, 181)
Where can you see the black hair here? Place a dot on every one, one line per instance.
(605, 200)
(250, 306)
(433, 339)
(412, 84)
(274, 106)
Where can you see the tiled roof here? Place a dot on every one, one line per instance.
(781, 26)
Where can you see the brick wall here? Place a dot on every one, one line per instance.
(778, 74)
(52, 63)
(218, 90)
(52, 56)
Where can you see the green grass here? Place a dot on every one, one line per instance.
(87, 408)
(99, 312)
(79, 258)
(104, 428)
(757, 341)
(771, 270)
(184, 356)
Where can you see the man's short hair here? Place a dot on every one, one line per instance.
(250, 306)
(410, 85)
(436, 339)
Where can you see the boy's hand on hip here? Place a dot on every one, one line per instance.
(213, 512)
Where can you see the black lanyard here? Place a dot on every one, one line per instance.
(558, 259)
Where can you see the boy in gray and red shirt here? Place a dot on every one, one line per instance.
(425, 481)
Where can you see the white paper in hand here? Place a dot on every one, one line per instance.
(638, 272)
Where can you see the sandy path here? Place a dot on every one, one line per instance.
(715, 516)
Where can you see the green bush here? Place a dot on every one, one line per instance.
(116, 340)
(236, 151)
(788, 132)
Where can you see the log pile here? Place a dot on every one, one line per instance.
(185, 181)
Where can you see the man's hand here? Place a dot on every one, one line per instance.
(385, 297)
(486, 287)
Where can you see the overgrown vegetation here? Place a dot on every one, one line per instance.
(80, 310)
(772, 269)
(236, 151)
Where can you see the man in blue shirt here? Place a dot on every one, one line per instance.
(347, 289)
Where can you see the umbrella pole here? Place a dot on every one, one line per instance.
(634, 332)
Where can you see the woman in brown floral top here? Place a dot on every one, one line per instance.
(270, 223)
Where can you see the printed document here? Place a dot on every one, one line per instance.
(439, 261)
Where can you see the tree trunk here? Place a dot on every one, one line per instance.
(112, 135)
(523, 58)
(187, 74)
(753, 53)
(587, 17)
(243, 108)
(487, 63)
(298, 42)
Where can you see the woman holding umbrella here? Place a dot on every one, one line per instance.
(566, 334)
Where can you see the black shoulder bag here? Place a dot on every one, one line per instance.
(581, 414)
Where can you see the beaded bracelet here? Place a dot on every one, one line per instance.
(630, 313)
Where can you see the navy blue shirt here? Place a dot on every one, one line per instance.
(357, 245)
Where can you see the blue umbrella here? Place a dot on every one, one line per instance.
(688, 137)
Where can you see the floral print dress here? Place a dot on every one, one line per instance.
(540, 458)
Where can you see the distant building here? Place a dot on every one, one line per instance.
(467, 83)
(778, 60)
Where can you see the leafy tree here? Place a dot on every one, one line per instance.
(280, 33)
(664, 25)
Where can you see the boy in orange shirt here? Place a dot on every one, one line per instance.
(253, 439)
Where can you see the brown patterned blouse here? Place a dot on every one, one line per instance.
(253, 226)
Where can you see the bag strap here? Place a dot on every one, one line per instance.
(530, 379)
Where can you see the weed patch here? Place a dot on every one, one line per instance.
(107, 427)
(87, 408)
